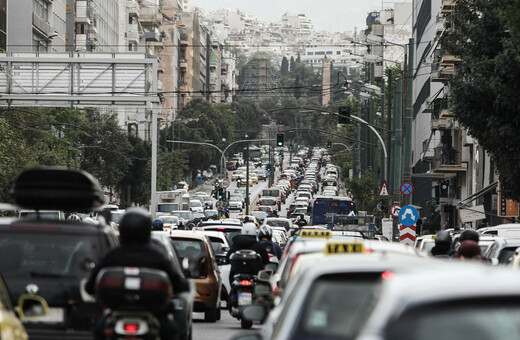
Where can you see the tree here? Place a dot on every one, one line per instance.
(292, 65)
(484, 90)
(297, 89)
(298, 59)
(284, 69)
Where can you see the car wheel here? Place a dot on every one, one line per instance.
(246, 324)
(211, 315)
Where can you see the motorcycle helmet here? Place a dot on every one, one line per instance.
(469, 234)
(249, 229)
(157, 225)
(135, 226)
(265, 231)
(443, 237)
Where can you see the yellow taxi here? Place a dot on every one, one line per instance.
(253, 177)
(236, 175)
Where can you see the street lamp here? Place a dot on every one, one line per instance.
(45, 39)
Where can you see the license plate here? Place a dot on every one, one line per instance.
(245, 299)
(55, 315)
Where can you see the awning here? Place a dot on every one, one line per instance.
(479, 193)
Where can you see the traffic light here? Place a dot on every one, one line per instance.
(220, 193)
(329, 144)
(344, 115)
(268, 167)
(290, 146)
(279, 139)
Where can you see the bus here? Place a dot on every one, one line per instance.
(324, 207)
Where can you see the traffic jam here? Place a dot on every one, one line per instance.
(293, 260)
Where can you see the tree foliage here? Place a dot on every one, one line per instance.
(484, 90)
(284, 68)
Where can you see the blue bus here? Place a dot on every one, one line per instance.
(324, 207)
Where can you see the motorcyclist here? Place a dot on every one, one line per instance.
(442, 244)
(265, 236)
(136, 250)
(157, 225)
(247, 240)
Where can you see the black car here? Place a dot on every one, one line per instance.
(54, 257)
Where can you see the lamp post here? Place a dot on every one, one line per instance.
(45, 39)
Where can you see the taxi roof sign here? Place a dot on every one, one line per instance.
(344, 248)
(315, 233)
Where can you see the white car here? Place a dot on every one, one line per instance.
(235, 203)
(196, 206)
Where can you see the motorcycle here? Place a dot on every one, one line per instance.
(245, 264)
(133, 297)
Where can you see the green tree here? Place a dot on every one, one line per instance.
(485, 87)
(292, 65)
(284, 69)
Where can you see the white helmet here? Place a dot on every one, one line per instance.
(249, 228)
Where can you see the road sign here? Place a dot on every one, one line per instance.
(406, 188)
(384, 189)
(224, 183)
(407, 235)
(394, 211)
(408, 215)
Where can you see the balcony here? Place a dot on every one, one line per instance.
(82, 12)
(184, 40)
(447, 6)
(132, 34)
(133, 8)
(183, 88)
(81, 42)
(213, 80)
(444, 124)
(152, 36)
(183, 65)
(447, 160)
(213, 64)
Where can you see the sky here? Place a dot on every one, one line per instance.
(328, 15)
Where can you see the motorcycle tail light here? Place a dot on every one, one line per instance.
(245, 283)
(131, 327)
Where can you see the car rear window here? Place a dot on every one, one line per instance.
(192, 249)
(337, 306)
(230, 233)
(279, 223)
(47, 254)
(486, 319)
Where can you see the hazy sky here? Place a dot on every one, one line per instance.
(329, 15)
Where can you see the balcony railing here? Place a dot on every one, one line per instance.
(447, 159)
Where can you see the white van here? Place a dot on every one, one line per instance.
(509, 230)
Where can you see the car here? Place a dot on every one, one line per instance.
(211, 213)
(253, 177)
(183, 302)
(286, 223)
(229, 228)
(207, 202)
(270, 210)
(236, 175)
(185, 216)
(235, 203)
(259, 215)
(42, 214)
(269, 201)
(197, 248)
(261, 174)
(221, 246)
(196, 206)
(58, 254)
(502, 250)
(200, 194)
(170, 222)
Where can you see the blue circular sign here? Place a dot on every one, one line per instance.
(408, 215)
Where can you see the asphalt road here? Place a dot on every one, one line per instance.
(226, 328)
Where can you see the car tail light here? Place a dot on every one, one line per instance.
(387, 275)
(131, 327)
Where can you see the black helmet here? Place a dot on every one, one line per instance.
(265, 231)
(135, 226)
(443, 237)
(157, 225)
(469, 234)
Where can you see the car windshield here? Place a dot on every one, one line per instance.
(186, 214)
(116, 216)
(336, 307)
(53, 254)
(279, 223)
(170, 219)
(195, 204)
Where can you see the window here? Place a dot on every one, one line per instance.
(338, 52)
(41, 9)
(310, 53)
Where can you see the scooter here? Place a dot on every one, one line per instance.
(133, 297)
(246, 264)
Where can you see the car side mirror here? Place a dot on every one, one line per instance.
(31, 306)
